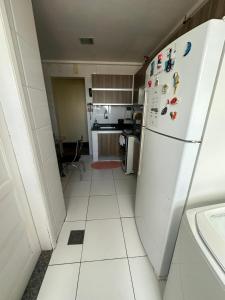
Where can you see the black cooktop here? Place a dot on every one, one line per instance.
(111, 126)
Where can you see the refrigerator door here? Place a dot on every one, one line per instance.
(164, 177)
(195, 75)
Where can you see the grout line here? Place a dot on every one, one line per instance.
(97, 260)
(78, 278)
(103, 219)
(125, 245)
(106, 259)
(128, 260)
(85, 226)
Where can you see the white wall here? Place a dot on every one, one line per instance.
(114, 113)
(85, 70)
(26, 109)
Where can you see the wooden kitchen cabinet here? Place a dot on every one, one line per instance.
(112, 89)
(108, 144)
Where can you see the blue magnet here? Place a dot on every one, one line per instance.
(152, 68)
(188, 48)
(170, 62)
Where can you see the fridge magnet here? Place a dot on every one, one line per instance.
(173, 115)
(165, 88)
(152, 68)
(174, 101)
(159, 61)
(170, 62)
(164, 111)
(176, 81)
(187, 49)
(150, 83)
(157, 81)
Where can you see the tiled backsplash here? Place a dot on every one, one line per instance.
(112, 112)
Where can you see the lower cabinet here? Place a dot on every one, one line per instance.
(108, 144)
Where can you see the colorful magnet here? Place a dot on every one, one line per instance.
(152, 68)
(164, 110)
(165, 88)
(176, 81)
(157, 81)
(187, 49)
(150, 83)
(159, 62)
(173, 115)
(170, 62)
(174, 101)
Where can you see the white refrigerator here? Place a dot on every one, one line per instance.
(180, 83)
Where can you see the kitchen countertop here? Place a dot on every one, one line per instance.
(107, 131)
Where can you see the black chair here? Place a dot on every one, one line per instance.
(76, 162)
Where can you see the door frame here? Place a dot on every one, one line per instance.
(23, 210)
(17, 119)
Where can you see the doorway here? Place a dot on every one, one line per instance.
(70, 106)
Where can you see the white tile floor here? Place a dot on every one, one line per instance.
(111, 264)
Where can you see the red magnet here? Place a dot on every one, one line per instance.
(159, 62)
(150, 83)
(173, 115)
(174, 101)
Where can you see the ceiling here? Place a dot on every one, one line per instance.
(124, 30)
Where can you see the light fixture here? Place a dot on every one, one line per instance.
(86, 40)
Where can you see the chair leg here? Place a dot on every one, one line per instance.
(81, 173)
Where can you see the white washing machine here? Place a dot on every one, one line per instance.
(198, 267)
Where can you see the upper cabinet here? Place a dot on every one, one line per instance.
(112, 89)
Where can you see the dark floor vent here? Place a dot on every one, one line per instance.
(76, 237)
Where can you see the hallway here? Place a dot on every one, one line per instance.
(111, 262)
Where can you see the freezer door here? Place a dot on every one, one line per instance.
(164, 177)
(195, 74)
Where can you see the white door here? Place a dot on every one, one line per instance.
(19, 246)
(164, 177)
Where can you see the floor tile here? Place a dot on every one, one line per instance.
(146, 285)
(126, 186)
(77, 208)
(103, 207)
(118, 173)
(60, 282)
(103, 280)
(126, 205)
(65, 180)
(132, 240)
(86, 176)
(103, 240)
(64, 253)
(87, 159)
(102, 175)
(103, 187)
(79, 188)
